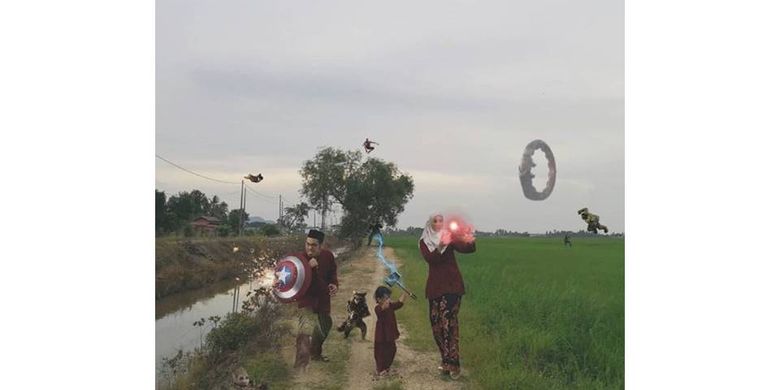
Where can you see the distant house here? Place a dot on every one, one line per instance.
(205, 225)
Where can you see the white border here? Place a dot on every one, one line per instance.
(77, 155)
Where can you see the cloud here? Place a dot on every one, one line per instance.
(452, 90)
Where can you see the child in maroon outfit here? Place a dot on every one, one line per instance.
(386, 329)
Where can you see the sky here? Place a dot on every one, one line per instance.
(453, 91)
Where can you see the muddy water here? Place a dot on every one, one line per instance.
(175, 315)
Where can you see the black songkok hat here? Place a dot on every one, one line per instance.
(320, 236)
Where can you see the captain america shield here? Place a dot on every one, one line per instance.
(293, 277)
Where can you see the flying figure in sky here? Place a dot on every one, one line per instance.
(592, 220)
(253, 178)
(367, 145)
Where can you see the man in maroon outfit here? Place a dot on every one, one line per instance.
(386, 331)
(324, 284)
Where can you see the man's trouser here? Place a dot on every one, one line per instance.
(321, 324)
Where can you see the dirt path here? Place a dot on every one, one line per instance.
(352, 360)
(417, 370)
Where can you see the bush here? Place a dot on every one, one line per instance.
(232, 333)
(223, 230)
(257, 326)
(270, 230)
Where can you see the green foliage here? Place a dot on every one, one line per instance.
(223, 230)
(188, 231)
(392, 385)
(270, 230)
(249, 338)
(256, 326)
(233, 332)
(218, 209)
(325, 176)
(175, 213)
(268, 368)
(536, 314)
(376, 192)
(368, 192)
(234, 219)
(294, 217)
(187, 206)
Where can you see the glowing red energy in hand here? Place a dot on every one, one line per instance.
(458, 228)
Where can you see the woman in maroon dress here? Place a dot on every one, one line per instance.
(444, 288)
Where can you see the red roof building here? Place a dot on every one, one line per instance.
(205, 225)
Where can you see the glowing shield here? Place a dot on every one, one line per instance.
(292, 278)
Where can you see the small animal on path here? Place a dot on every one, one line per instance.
(357, 309)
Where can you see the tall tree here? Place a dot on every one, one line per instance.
(295, 216)
(376, 193)
(218, 209)
(186, 206)
(368, 192)
(174, 213)
(163, 220)
(325, 177)
(234, 219)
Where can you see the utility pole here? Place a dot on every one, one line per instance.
(241, 210)
(281, 208)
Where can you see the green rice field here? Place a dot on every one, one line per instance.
(536, 314)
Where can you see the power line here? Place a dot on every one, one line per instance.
(267, 196)
(265, 199)
(195, 173)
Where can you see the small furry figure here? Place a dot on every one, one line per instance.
(357, 309)
(302, 351)
(242, 381)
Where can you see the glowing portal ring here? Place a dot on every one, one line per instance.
(526, 177)
(301, 279)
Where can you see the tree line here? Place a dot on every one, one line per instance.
(175, 213)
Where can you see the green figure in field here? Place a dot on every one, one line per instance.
(592, 220)
(567, 240)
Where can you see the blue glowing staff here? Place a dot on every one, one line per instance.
(394, 277)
